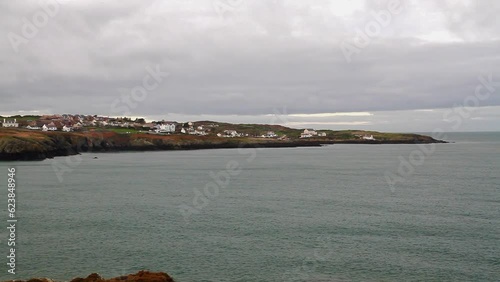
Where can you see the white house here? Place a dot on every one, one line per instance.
(165, 128)
(197, 132)
(322, 134)
(77, 125)
(67, 128)
(270, 134)
(312, 132)
(10, 123)
(231, 133)
(50, 127)
(308, 133)
(33, 127)
(368, 137)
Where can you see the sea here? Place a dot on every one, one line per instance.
(332, 213)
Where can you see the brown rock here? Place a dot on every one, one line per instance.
(141, 276)
(94, 277)
(144, 276)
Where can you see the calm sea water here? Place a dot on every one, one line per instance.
(294, 214)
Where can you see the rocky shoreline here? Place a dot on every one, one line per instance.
(23, 145)
(141, 276)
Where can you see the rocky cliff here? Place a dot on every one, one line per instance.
(18, 144)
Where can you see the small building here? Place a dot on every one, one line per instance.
(310, 131)
(270, 134)
(165, 128)
(368, 137)
(34, 127)
(10, 123)
(322, 134)
(231, 133)
(50, 127)
(77, 126)
(197, 132)
(67, 128)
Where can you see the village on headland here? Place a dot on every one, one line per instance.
(125, 125)
(48, 136)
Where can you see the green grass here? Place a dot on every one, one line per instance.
(120, 130)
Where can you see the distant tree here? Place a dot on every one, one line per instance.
(140, 120)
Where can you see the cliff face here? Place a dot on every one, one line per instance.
(17, 144)
(22, 145)
(28, 145)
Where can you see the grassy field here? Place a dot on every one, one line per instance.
(256, 130)
(120, 130)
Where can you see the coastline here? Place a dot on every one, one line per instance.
(143, 275)
(25, 145)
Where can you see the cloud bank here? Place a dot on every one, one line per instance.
(237, 58)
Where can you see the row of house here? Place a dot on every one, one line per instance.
(10, 123)
(170, 127)
(90, 120)
(230, 134)
(269, 134)
(50, 127)
(69, 123)
(308, 133)
(200, 130)
(164, 128)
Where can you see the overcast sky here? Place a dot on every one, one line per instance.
(322, 64)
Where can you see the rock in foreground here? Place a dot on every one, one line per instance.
(141, 276)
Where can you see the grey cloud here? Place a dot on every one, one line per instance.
(261, 55)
